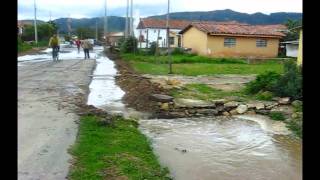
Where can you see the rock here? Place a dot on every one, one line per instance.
(285, 100)
(218, 101)
(263, 111)
(192, 103)
(161, 98)
(242, 109)
(231, 104)
(226, 113)
(269, 107)
(285, 109)
(220, 108)
(207, 111)
(251, 105)
(233, 112)
(251, 112)
(164, 106)
(259, 106)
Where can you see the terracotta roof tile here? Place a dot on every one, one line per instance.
(162, 23)
(237, 28)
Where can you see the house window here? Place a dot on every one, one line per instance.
(261, 43)
(171, 40)
(141, 38)
(229, 42)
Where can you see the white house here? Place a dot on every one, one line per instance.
(292, 48)
(148, 30)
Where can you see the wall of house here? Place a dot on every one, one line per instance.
(196, 40)
(152, 36)
(245, 47)
(299, 60)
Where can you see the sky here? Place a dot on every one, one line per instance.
(144, 8)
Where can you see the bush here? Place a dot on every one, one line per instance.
(263, 82)
(129, 45)
(264, 96)
(153, 48)
(177, 51)
(278, 116)
(290, 84)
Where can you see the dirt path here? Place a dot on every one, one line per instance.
(47, 92)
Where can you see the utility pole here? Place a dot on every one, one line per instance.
(131, 18)
(35, 23)
(97, 30)
(50, 16)
(126, 26)
(168, 40)
(105, 32)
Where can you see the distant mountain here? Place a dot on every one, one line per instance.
(30, 22)
(115, 23)
(229, 15)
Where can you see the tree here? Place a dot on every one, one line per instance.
(45, 31)
(85, 33)
(293, 34)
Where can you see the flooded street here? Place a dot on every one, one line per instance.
(219, 148)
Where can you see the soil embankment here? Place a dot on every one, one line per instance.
(138, 88)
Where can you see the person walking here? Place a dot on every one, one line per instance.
(86, 47)
(78, 43)
(55, 45)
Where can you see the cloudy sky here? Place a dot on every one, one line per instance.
(143, 8)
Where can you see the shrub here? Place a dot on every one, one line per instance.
(129, 45)
(153, 48)
(177, 51)
(290, 83)
(278, 116)
(266, 95)
(263, 82)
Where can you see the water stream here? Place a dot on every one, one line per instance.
(219, 148)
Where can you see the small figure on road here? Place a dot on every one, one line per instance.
(55, 45)
(86, 46)
(78, 43)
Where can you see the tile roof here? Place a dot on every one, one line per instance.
(162, 23)
(222, 28)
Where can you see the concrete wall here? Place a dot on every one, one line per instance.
(299, 61)
(207, 45)
(292, 50)
(245, 47)
(196, 40)
(152, 36)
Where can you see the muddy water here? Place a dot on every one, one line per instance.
(223, 149)
(238, 148)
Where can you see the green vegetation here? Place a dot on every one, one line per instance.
(264, 96)
(205, 92)
(45, 31)
(278, 116)
(263, 82)
(128, 45)
(295, 127)
(287, 85)
(117, 151)
(23, 46)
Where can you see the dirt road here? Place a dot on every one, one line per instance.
(46, 117)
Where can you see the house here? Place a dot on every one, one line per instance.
(232, 39)
(149, 30)
(291, 48)
(114, 37)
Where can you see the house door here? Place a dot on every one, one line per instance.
(179, 41)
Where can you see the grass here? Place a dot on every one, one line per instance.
(205, 92)
(24, 47)
(295, 128)
(277, 116)
(119, 152)
(192, 65)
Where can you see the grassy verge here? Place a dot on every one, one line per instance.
(205, 92)
(113, 152)
(25, 47)
(191, 65)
